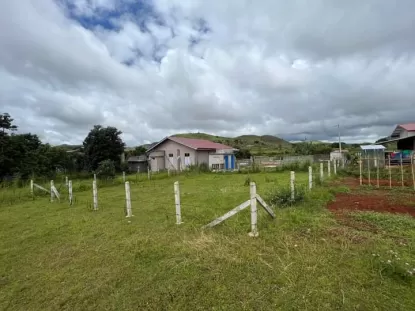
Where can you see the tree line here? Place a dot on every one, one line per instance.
(24, 155)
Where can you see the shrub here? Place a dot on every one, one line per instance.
(281, 197)
(106, 169)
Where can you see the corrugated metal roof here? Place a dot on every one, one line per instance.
(199, 144)
(372, 147)
(408, 126)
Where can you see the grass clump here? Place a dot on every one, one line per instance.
(282, 196)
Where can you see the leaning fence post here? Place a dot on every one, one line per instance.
(95, 177)
(310, 177)
(292, 185)
(360, 170)
(335, 167)
(128, 199)
(177, 202)
(148, 173)
(31, 186)
(254, 212)
(95, 194)
(70, 191)
(52, 194)
(66, 181)
(321, 170)
(123, 176)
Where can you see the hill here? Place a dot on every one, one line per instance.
(266, 144)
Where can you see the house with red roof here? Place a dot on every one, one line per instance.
(177, 153)
(404, 135)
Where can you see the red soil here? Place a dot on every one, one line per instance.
(363, 202)
(352, 182)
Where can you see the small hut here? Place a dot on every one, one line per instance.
(137, 164)
(373, 156)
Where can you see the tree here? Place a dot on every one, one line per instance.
(139, 150)
(6, 124)
(103, 143)
(243, 154)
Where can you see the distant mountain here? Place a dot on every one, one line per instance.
(266, 144)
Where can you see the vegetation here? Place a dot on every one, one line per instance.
(103, 143)
(268, 145)
(23, 156)
(303, 260)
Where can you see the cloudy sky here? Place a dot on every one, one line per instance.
(152, 68)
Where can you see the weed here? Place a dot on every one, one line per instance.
(282, 196)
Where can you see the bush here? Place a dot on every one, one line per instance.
(281, 197)
(106, 169)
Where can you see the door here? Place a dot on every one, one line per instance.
(226, 162)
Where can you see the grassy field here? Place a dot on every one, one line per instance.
(56, 257)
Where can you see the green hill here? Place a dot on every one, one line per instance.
(266, 144)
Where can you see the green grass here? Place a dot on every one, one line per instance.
(57, 257)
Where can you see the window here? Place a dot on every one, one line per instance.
(187, 154)
(170, 155)
(217, 166)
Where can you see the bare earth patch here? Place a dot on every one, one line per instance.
(379, 201)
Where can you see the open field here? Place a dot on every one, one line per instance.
(56, 257)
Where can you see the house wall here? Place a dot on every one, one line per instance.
(216, 160)
(405, 133)
(202, 157)
(171, 147)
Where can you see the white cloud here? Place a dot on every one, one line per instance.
(292, 69)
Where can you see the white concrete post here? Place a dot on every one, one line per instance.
(66, 181)
(95, 194)
(168, 171)
(321, 170)
(123, 176)
(292, 185)
(328, 168)
(254, 212)
(128, 199)
(177, 202)
(335, 167)
(52, 194)
(70, 191)
(95, 177)
(310, 177)
(360, 170)
(31, 186)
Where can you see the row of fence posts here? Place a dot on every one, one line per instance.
(310, 175)
(377, 164)
(253, 195)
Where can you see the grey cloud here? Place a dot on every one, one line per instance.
(292, 69)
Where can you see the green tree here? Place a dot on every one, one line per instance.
(6, 124)
(103, 143)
